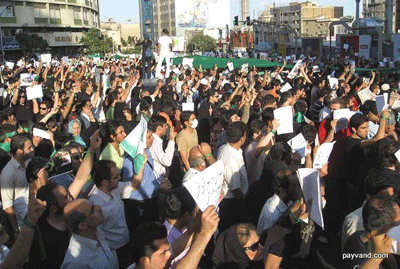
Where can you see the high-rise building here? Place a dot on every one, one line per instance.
(377, 8)
(180, 17)
(60, 22)
(146, 19)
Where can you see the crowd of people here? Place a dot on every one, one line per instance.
(73, 198)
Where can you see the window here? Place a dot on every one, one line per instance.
(85, 14)
(6, 11)
(40, 11)
(77, 13)
(55, 12)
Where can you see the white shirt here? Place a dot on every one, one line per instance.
(83, 252)
(235, 174)
(272, 210)
(164, 42)
(114, 227)
(161, 158)
(15, 189)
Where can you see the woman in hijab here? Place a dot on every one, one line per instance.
(238, 248)
(74, 128)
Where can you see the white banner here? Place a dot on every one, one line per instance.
(364, 43)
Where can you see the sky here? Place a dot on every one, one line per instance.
(123, 10)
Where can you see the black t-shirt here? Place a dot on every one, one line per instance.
(25, 112)
(55, 244)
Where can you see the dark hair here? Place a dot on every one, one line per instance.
(167, 107)
(185, 116)
(145, 103)
(62, 138)
(33, 168)
(309, 132)
(284, 97)
(44, 149)
(18, 142)
(46, 194)
(5, 129)
(102, 170)
(165, 31)
(255, 127)
(386, 153)
(369, 106)
(177, 203)
(111, 128)
(300, 106)
(338, 101)
(378, 211)
(235, 131)
(286, 178)
(143, 238)
(226, 118)
(267, 114)
(155, 122)
(357, 120)
(322, 92)
(269, 99)
(376, 181)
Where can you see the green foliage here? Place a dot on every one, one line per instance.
(124, 44)
(95, 43)
(28, 42)
(135, 50)
(203, 42)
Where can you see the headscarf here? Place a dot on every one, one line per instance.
(77, 138)
(229, 252)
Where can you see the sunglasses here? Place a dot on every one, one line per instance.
(76, 157)
(43, 108)
(253, 247)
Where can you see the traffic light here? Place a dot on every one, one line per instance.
(248, 22)
(236, 21)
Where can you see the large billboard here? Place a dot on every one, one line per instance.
(202, 13)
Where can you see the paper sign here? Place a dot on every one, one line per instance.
(10, 65)
(322, 156)
(230, 67)
(365, 95)
(380, 103)
(176, 71)
(34, 92)
(311, 186)
(342, 116)
(41, 133)
(386, 95)
(205, 187)
(187, 107)
(298, 144)
(46, 58)
(295, 69)
(204, 81)
(285, 87)
(316, 69)
(135, 142)
(397, 154)
(26, 79)
(285, 117)
(187, 61)
(20, 63)
(96, 60)
(396, 104)
(333, 82)
(345, 46)
(245, 68)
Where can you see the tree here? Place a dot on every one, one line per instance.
(28, 42)
(95, 43)
(202, 42)
(124, 44)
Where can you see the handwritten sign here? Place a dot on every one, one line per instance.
(342, 116)
(365, 95)
(311, 186)
(322, 156)
(285, 117)
(34, 92)
(333, 82)
(26, 79)
(298, 144)
(205, 187)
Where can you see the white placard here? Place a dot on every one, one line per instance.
(205, 187)
(41, 133)
(311, 186)
(380, 103)
(176, 71)
(135, 142)
(46, 58)
(187, 106)
(10, 65)
(285, 117)
(20, 63)
(396, 104)
(333, 82)
(364, 46)
(26, 79)
(34, 92)
(96, 60)
(230, 66)
(285, 87)
(345, 46)
(295, 70)
(316, 69)
(322, 156)
(386, 95)
(298, 144)
(365, 95)
(204, 81)
(245, 68)
(342, 116)
(188, 61)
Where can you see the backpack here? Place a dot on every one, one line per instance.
(148, 53)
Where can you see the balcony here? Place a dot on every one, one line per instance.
(78, 22)
(55, 21)
(41, 20)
